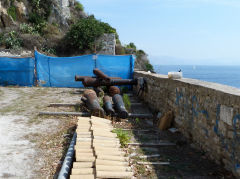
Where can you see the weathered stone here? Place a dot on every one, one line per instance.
(107, 44)
(226, 114)
(21, 11)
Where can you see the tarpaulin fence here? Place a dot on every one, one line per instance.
(16, 71)
(61, 71)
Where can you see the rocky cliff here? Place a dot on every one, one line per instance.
(25, 24)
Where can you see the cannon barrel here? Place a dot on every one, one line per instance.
(119, 106)
(101, 75)
(113, 90)
(81, 78)
(91, 101)
(93, 82)
(108, 105)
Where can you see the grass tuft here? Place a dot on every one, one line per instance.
(123, 136)
(127, 102)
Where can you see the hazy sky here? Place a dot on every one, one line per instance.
(194, 31)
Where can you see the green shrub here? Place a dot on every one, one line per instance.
(79, 6)
(84, 34)
(41, 7)
(131, 45)
(108, 29)
(35, 18)
(123, 136)
(41, 10)
(49, 50)
(27, 29)
(149, 67)
(127, 102)
(137, 120)
(12, 12)
(12, 40)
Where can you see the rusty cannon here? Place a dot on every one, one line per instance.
(119, 106)
(91, 101)
(108, 105)
(94, 82)
(102, 79)
(113, 90)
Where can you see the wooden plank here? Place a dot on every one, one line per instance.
(104, 134)
(77, 147)
(86, 150)
(107, 148)
(85, 159)
(83, 165)
(82, 171)
(84, 143)
(113, 158)
(107, 174)
(85, 154)
(106, 141)
(105, 138)
(106, 145)
(93, 128)
(94, 118)
(84, 133)
(113, 168)
(82, 177)
(111, 162)
(153, 163)
(109, 152)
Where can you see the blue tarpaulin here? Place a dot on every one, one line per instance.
(16, 71)
(61, 71)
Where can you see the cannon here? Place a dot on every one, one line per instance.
(119, 106)
(113, 90)
(102, 79)
(108, 105)
(94, 82)
(91, 101)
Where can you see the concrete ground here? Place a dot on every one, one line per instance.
(31, 146)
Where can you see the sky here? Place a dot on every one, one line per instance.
(185, 32)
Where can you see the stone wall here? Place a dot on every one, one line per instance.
(206, 113)
(107, 44)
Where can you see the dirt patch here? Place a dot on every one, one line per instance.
(33, 146)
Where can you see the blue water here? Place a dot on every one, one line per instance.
(227, 75)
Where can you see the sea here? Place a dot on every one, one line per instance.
(227, 75)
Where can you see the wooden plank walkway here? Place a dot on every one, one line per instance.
(97, 151)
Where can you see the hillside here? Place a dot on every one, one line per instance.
(58, 28)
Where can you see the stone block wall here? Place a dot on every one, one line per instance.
(206, 113)
(107, 43)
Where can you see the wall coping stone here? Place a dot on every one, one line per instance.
(210, 85)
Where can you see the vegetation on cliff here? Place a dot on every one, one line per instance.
(57, 30)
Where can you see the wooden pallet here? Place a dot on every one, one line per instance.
(97, 151)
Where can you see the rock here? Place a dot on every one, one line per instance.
(61, 12)
(21, 11)
(5, 19)
(165, 121)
